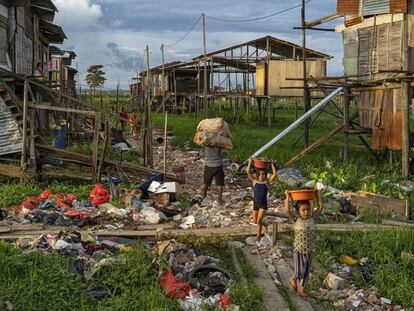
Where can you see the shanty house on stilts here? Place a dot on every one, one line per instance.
(246, 75)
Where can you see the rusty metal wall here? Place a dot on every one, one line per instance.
(348, 7)
(374, 7)
(381, 111)
(398, 6)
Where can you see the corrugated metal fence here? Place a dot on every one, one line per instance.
(10, 137)
(374, 7)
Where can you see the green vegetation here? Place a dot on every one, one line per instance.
(37, 281)
(391, 252)
(360, 172)
(25, 280)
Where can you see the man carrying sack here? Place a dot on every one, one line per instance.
(213, 135)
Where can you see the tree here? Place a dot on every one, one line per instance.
(95, 77)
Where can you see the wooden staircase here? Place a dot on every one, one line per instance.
(13, 104)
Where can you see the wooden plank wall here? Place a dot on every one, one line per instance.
(279, 70)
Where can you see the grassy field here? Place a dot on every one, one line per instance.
(26, 279)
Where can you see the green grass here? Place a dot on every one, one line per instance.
(39, 281)
(393, 277)
(360, 172)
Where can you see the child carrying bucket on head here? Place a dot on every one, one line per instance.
(261, 187)
(304, 229)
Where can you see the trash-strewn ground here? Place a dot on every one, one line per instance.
(380, 279)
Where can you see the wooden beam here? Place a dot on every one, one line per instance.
(380, 203)
(10, 170)
(168, 233)
(316, 144)
(86, 160)
(322, 20)
(62, 109)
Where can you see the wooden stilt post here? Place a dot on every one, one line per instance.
(269, 115)
(306, 97)
(165, 144)
(347, 99)
(105, 146)
(95, 149)
(405, 101)
(205, 104)
(24, 134)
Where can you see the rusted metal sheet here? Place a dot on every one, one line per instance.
(398, 6)
(348, 7)
(381, 111)
(375, 7)
(352, 21)
(10, 137)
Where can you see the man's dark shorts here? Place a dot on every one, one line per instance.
(214, 172)
(258, 205)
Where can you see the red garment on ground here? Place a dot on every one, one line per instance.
(99, 195)
(77, 214)
(172, 287)
(44, 195)
(225, 301)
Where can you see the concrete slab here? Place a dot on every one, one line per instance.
(271, 297)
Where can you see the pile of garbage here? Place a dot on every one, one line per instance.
(345, 295)
(91, 255)
(197, 281)
(154, 202)
(338, 288)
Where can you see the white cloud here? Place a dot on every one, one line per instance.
(75, 14)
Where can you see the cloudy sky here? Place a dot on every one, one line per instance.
(114, 33)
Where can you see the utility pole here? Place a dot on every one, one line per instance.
(205, 105)
(163, 70)
(163, 78)
(306, 94)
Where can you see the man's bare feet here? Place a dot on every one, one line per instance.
(293, 285)
(303, 294)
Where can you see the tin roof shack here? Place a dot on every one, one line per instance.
(60, 70)
(180, 79)
(378, 39)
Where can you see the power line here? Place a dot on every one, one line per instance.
(256, 18)
(186, 34)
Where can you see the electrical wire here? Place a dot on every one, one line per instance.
(256, 18)
(186, 34)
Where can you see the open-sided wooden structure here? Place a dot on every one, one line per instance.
(247, 74)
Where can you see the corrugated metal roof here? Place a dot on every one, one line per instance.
(10, 137)
(348, 7)
(374, 7)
